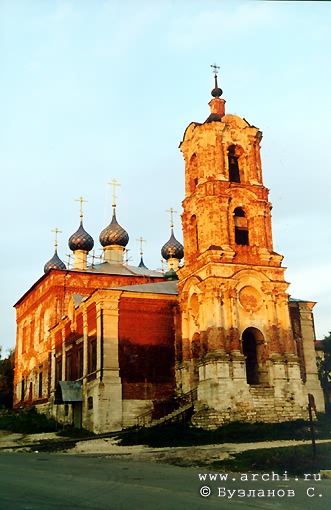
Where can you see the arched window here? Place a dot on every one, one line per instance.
(240, 227)
(194, 226)
(193, 172)
(233, 156)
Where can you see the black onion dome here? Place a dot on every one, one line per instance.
(216, 92)
(172, 249)
(54, 263)
(81, 240)
(142, 264)
(114, 234)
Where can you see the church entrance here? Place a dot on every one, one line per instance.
(252, 344)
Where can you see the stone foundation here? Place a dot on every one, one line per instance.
(263, 406)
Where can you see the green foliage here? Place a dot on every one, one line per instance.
(184, 435)
(26, 421)
(7, 381)
(296, 460)
(324, 370)
(69, 431)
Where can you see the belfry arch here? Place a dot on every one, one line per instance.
(253, 350)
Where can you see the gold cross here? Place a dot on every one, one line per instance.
(114, 183)
(81, 200)
(216, 68)
(171, 211)
(141, 241)
(56, 231)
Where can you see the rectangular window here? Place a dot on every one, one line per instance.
(80, 361)
(58, 371)
(24, 339)
(32, 334)
(40, 385)
(69, 366)
(22, 389)
(92, 355)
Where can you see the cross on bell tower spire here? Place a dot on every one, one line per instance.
(217, 91)
(216, 68)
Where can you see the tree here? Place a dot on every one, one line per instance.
(324, 370)
(7, 380)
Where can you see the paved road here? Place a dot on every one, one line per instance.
(44, 481)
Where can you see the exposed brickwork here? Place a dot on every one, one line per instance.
(39, 310)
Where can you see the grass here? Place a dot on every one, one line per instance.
(184, 435)
(296, 460)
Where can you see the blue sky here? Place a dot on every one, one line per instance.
(92, 90)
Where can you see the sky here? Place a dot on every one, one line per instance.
(103, 89)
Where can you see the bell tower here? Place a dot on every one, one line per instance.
(237, 345)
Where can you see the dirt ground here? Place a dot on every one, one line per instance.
(184, 456)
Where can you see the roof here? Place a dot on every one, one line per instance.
(68, 391)
(103, 268)
(169, 288)
(120, 269)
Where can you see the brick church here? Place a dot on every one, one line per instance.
(108, 345)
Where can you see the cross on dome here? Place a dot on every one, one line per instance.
(114, 184)
(171, 211)
(81, 201)
(56, 231)
(141, 241)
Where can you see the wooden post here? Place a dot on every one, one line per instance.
(311, 406)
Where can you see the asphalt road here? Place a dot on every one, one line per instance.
(48, 481)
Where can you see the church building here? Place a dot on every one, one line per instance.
(108, 345)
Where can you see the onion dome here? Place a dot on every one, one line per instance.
(216, 92)
(172, 249)
(81, 240)
(142, 264)
(170, 275)
(114, 234)
(54, 263)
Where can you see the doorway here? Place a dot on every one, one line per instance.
(252, 343)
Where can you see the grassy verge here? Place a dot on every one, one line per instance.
(296, 460)
(184, 435)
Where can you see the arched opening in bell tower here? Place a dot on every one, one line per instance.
(252, 344)
(240, 227)
(233, 157)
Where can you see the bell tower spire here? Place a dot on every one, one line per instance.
(217, 105)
